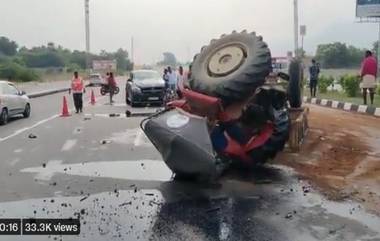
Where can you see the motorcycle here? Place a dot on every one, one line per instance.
(105, 89)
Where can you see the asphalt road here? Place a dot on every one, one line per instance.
(104, 170)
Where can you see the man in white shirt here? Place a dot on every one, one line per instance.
(172, 79)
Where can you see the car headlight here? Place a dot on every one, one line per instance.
(136, 89)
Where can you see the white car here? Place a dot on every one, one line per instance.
(12, 102)
(96, 80)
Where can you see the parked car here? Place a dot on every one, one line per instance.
(96, 80)
(12, 102)
(144, 87)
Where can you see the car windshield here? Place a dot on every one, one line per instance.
(143, 75)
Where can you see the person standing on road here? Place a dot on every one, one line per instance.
(77, 87)
(181, 74)
(368, 76)
(172, 79)
(112, 86)
(314, 75)
(165, 77)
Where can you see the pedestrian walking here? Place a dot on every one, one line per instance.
(314, 71)
(77, 88)
(368, 76)
(111, 85)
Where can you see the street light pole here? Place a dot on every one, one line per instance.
(296, 50)
(87, 25)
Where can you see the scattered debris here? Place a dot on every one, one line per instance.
(43, 165)
(114, 115)
(87, 118)
(125, 204)
(306, 189)
(213, 210)
(104, 142)
(84, 198)
(32, 136)
(289, 216)
(128, 113)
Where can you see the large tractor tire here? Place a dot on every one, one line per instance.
(295, 84)
(277, 141)
(231, 67)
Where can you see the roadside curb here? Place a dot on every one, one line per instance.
(362, 109)
(47, 92)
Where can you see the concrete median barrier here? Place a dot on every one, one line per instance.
(47, 92)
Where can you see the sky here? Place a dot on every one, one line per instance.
(179, 26)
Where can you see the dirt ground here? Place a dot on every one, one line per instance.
(341, 156)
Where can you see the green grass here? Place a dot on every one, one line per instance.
(341, 96)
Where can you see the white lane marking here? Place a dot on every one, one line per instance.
(149, 170)
(28, 128)
(14, 162)
(335, 104)
(69, 144)
(18, 151)
(139, 138)
(362, 109)
(37, 124)
(347, 106)
(135, 137)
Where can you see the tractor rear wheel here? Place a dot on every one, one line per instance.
(231, 67)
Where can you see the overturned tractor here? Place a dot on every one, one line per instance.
(234, 110)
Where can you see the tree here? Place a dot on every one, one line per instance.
(8, 47)
(169, 59)
(121, 57)
(338, 55)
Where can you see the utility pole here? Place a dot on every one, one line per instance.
(296, 29)
(378, 49)
(132, 50)
(87, 24)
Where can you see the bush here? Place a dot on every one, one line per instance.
(351, 85)
(324, 82)
(378, 90)
(14, 71)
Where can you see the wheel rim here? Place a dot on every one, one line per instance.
(226, 60)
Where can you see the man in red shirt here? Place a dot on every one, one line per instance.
(77, 88)
(368, 75)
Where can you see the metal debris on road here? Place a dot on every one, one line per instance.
(32, 136)
(125, 204)
(84, 198)
(114, 115)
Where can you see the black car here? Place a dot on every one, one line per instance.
(144, 87)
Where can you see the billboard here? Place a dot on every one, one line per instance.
(106, 65)
(367, 8)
